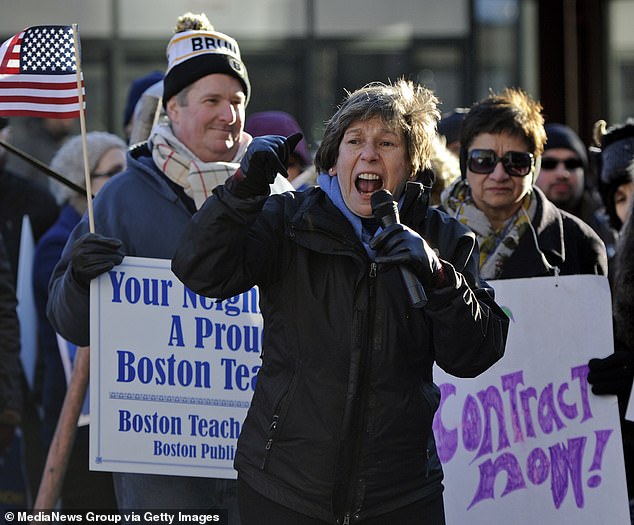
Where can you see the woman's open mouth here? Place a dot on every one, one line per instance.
(368, 183)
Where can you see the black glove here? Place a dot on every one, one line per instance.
(93, 254)
(265, 157)
(398, 244)
(612, 374)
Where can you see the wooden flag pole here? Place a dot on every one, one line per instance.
(62, 444)
(82, 123)
(157, 113)
(64, 437)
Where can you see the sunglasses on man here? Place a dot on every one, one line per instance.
(550, 163)
(484, 161)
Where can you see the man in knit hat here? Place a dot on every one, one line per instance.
(563, 167)
(562, 178)
(144, 211)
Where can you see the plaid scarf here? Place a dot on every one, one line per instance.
(180, 165)
(495, 246)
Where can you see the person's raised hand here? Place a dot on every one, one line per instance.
(398, 244)
(265, 157)
(93, 254)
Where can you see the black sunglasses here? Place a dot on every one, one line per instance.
(551, 163)
(516, 163)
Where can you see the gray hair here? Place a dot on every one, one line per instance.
(69, 161)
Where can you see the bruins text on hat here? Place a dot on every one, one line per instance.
(208, 42)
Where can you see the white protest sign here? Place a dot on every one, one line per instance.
(26, 311)
(629, 411)
(527, 442)
(67, 352)
(171, 373)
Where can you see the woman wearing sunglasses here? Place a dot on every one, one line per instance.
(520, 232)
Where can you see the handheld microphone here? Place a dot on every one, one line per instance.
(385, 211)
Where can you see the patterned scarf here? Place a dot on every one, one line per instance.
(495, 246)
(180, 165)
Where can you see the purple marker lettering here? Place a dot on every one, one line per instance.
(570, 411)
(602, 440)
(446, 439)
(509, 384)
(488, 472)
(537, 466)
(566, 463)
(546, 411)
(491, 400)
(525, 397)
(581, 373)
(471, 424)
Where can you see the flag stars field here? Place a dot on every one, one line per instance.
(38, 73)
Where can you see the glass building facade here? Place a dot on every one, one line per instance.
(302, 55)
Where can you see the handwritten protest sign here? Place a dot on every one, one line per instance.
(527, 442)
(171, 373)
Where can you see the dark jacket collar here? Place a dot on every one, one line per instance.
(549, 227)
(314, 214)
(541, 248)
(140, 157)
(323, 214)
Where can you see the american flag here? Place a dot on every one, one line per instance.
(38, 73)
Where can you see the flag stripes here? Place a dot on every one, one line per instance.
(38, 73)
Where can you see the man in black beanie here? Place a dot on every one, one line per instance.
(562, 178)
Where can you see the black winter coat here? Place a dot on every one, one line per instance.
(20, 196)
(10, 368)
(340, 423)
(565, 241)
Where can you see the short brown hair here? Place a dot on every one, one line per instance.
(513, 112)
(402, 106)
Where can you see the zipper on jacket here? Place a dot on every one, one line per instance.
(269, 443)
(364, 381)
(373, 268)
(427, 455)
